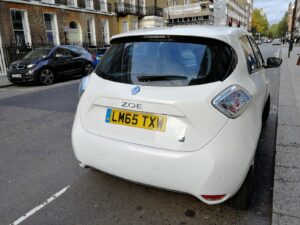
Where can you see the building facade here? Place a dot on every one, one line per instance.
(135, 14)
(235, 13)
(26, 24)
(57, 21)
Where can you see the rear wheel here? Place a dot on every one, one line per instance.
(46, 76)
(241, 200)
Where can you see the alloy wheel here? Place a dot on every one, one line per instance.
(47, 77)
(88, 69)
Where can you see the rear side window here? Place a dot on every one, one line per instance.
(257, 53)
(168, 61)
(65, 52)
(253, 63)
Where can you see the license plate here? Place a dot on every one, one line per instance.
(16, 75)
(136, 119)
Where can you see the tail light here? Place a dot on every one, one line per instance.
(232, 101)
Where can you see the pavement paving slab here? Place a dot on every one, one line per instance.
(4, 82)
(286, 194)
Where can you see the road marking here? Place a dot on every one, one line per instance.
(34, 210)
(276, 54)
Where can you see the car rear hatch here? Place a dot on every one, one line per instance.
(190, 122)
(157, 92)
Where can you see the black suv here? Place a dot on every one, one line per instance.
(44, 65)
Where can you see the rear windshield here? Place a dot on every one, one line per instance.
(167, 61)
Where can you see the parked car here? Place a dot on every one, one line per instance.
(179, 108)
(276, 42)
(45, 64)
(97, 55)
(258, 42)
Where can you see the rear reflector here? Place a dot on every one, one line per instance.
(213, 197)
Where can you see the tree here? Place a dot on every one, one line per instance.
(260, 22)
(283, 26)
(273, 31)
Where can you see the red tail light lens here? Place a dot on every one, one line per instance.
(213, 197)
(232, 101)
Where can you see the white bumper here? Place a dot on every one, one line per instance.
(218, 168)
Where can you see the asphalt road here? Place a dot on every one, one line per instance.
(42, 184)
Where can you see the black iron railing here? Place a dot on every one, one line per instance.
(125, 9)
(154, 11)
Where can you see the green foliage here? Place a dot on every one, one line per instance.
(273, 31)
(278, 30)
(283, 26)
(260, 22)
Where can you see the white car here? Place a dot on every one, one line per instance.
(178, 108)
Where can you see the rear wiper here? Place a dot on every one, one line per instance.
(159, 78)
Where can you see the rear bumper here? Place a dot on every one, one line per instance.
(218, 168)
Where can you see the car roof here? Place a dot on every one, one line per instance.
(215, 32)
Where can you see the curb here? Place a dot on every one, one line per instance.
(6, 85)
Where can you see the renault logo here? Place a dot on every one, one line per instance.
(135, 90)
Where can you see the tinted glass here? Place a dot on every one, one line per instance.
(64, 52)
(38, 53)
(167, 62)
(257, 53)
(250, 57)
(74, 51)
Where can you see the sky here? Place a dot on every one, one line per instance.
(274, 9)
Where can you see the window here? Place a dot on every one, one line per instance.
(103, 5)
(73, 25)
(125, 26)
(21, 27)
(105, 31)
(74, 51)
(51, 28)
(89, 4)
(250, 57)
(259, 58)
(72, 3)
(64, 52)
(176, 61)
(186, 2)
(134, 25)
(91, 32)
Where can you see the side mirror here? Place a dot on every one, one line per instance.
(273, 62)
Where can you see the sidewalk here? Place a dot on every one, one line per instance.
(286, 193)
(4, 82)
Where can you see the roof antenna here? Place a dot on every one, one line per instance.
(168, 14)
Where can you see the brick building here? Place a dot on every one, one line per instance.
(57, 21)
(32, 23)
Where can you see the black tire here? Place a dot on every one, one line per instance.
(266, 111)
(46, 76)
(241, 200)
(87, 69)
